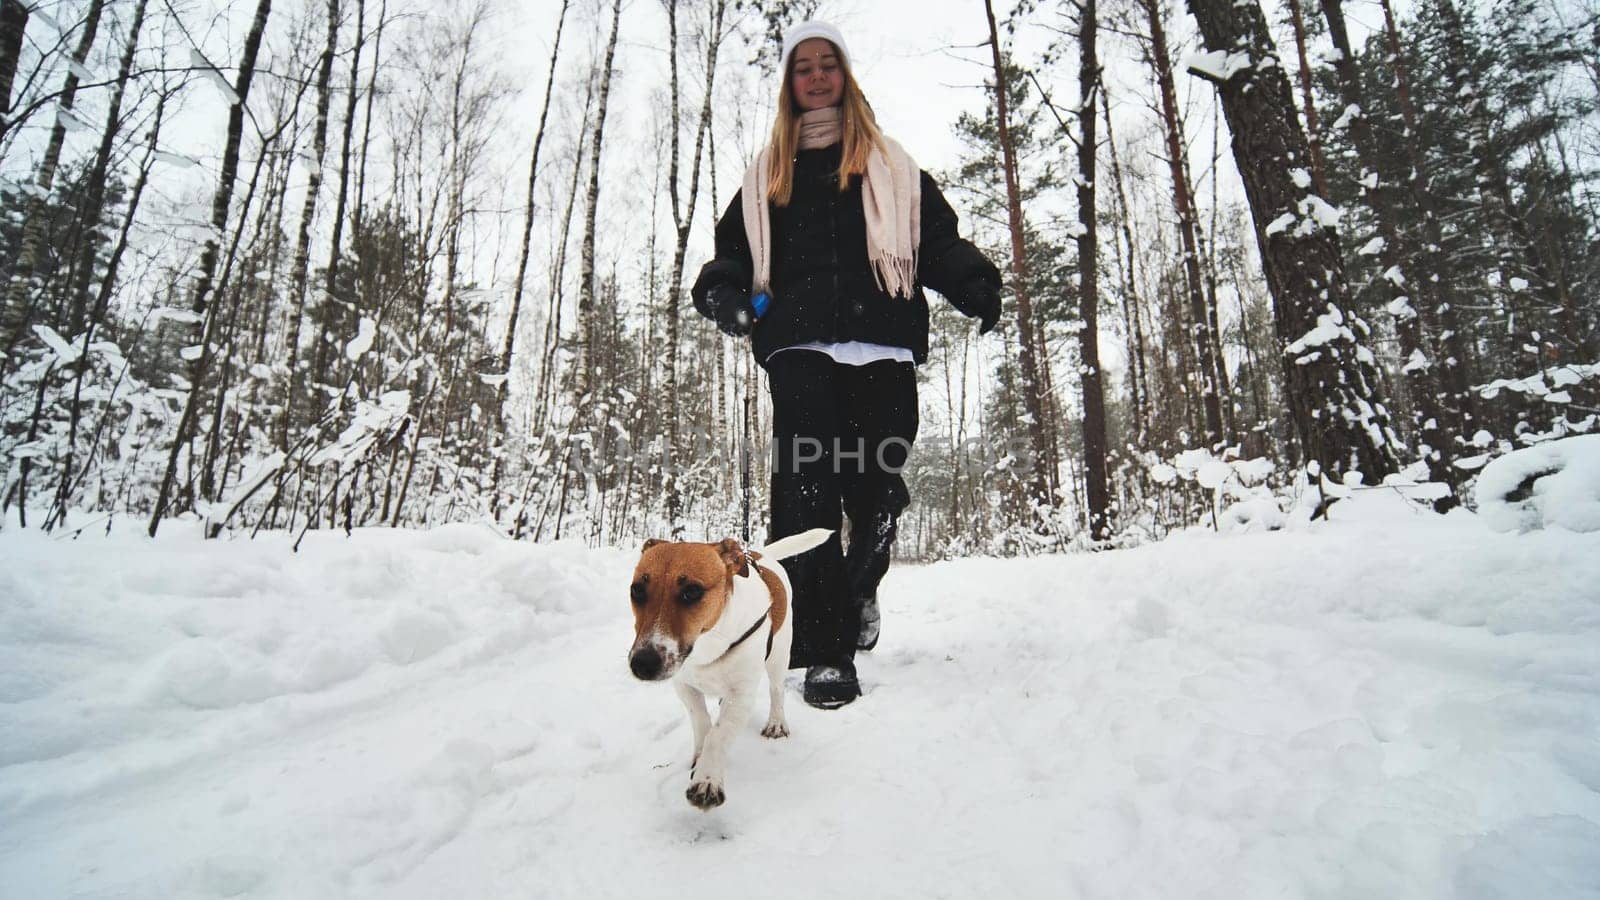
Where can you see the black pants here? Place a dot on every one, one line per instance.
(841, 435)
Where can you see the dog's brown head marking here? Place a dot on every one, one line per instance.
(679, 591)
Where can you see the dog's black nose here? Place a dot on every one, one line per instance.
(646, 663)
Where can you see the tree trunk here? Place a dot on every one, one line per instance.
(1200, 316)
(366, 122)
(206, 270)
(1033, 402)
(544, 389)
(94, 200)
(67, 485)
(1096, 471)
(1329, 376)
(302, 251)
(1319, 168)
(1436, 429)
(333, 308)
(586, 286)
(1137, 384)
(509, 343)
(16, 311)
(1457, 396)
(683, 219)
(13, 22)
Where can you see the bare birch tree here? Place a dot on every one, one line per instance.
(16, 309)
(200, 302)
(586, 279)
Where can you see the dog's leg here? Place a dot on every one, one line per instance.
(695, 702)
(705, 786)
(777, 665)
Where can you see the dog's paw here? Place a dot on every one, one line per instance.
(705, 794)
(775, 730)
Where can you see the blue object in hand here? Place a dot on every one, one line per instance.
(760, 302)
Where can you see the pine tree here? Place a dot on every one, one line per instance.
(1329, 373)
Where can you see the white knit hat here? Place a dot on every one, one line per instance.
(806, 31)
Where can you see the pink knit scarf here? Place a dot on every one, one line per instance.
(891, 201)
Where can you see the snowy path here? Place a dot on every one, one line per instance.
(1391, 706)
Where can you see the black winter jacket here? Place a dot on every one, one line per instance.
(822, 284)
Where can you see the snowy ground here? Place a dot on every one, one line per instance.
(1388, 705)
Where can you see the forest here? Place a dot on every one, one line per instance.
(325, 264)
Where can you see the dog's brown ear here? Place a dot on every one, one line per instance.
(733, 556)
(651, 543)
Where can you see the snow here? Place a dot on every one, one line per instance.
(1541, 383)
(199, 63)
(1554, 483)
(1320, 211)
(1219, 65)
(1385, 704)
(1330, 328)
(362, 342)
(174, 159)
(66, 353)
(174, 314)
(1372, 247)
(70, 120)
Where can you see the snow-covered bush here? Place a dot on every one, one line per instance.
(1553, 483)
(1240, 497)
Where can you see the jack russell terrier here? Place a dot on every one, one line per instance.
(710, 617)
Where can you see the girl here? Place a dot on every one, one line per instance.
(821, 259)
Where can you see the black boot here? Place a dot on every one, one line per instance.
(830, 687)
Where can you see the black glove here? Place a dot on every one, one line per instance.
(983, 301)
(735, 316)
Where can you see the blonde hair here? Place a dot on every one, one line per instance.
(858, 133)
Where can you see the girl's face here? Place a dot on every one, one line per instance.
(817, 77)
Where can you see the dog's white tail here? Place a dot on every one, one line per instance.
(795, 544)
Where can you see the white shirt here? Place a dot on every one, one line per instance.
(855, 353)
